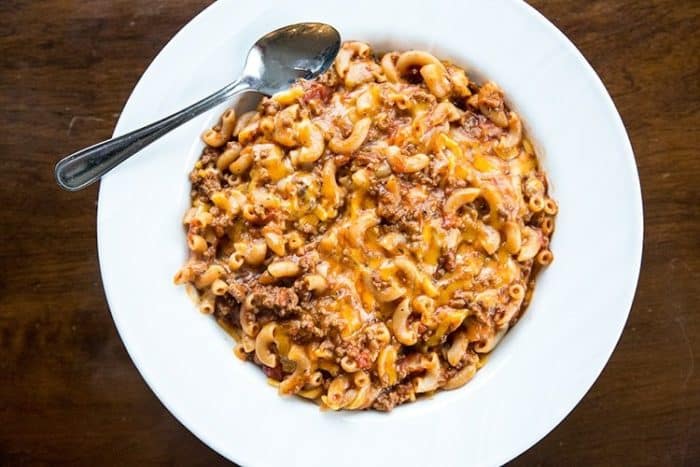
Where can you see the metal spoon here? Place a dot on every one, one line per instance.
(277, 59)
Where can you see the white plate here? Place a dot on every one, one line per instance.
(542, 368)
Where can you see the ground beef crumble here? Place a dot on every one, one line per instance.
(391, 397)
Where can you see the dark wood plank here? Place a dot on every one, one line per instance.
(69, 393)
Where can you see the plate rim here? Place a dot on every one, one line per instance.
(635, 269)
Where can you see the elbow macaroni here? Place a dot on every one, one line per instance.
(369, 236)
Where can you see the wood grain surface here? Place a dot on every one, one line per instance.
(69, 394)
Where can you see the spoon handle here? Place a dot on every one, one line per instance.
(86, 166)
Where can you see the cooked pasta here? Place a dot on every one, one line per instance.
(369, 236)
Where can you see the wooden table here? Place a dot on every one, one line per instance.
(69, 392)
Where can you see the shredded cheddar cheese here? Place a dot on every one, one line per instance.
(369, 236)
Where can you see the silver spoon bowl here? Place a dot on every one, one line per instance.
(275, 61)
